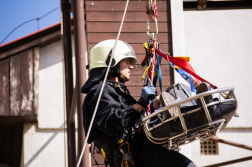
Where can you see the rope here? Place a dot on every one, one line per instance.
(105, 78)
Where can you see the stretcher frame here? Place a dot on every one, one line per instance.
(210, 129)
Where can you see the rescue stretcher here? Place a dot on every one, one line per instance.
(185, 124)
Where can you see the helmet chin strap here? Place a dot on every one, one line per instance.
(120, 78)
(115, 72)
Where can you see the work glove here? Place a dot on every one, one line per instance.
(148, 92)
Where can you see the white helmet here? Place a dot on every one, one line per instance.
(100, 52)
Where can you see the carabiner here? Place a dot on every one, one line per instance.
(152, 35)
(124, 144)
(151, 9)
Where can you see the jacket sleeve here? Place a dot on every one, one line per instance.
(111, 118)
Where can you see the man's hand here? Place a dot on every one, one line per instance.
(156, 103)
(148, 92)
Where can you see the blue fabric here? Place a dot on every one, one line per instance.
(148, 92)
(185, 75)
(159, 73)
(151, 106)
(155, 79)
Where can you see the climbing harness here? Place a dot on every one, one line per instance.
(127, 159)
(109, 65)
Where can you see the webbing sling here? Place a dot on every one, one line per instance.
(186, 76)
(184, 65)
(158, 74)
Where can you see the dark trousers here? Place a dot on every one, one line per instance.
(147, 154)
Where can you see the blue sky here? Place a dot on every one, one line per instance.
(15, 12)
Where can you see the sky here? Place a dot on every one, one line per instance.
(15, 12)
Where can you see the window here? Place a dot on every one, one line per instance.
(208, 147)
(216, 4)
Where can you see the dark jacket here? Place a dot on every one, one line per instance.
(114, 115)
(117, 118)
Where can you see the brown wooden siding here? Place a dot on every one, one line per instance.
(103, 20)
(18, 85)
(35, 79)
(4, 87)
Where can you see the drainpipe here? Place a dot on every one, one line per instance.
(80, 60)
(68, 78)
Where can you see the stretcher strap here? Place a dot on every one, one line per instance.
(156, 71)
(184, 65)
(186, 76)
(159, 72)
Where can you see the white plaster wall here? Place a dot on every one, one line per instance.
(178, 48)
(226, 152)
(51, 107)
(43, 143)
(177, 25)
(219, 43)
(42, 147)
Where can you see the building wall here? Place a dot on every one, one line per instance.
(178, 49)
(51, 107)
(43, 147)
(219, 44)
(226, 152)
(44, 143)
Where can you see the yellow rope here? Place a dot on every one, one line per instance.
(145, 72)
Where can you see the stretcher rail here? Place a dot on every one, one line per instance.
(203, 132)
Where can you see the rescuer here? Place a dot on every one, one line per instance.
(115, 131)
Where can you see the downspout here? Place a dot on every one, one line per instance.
(81, 77)
(68, 78)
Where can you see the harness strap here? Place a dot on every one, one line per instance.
(184, 65)
(186, 76)
(122, 103)
(145, 72)
(93, 155)
(159, 73)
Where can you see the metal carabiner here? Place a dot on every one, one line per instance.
(150, 7)
(152, 35)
